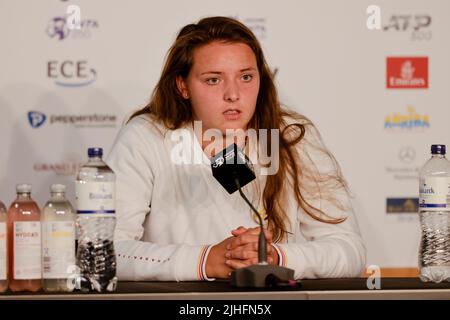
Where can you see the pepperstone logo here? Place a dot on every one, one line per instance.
(70, 73)
(407, 72)
(402, 205)
(58, 28)
(407, 122)
(37, 119)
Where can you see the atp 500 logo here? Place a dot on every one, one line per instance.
(417, 25)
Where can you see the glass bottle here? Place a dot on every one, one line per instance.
(3, 249)
(24, 234)
(58, 241)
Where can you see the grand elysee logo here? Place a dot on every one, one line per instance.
(60, 168)
(407, 72)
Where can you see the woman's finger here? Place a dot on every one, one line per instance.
(242, 240)
(238, 231)
(241, 253)
(237, 264)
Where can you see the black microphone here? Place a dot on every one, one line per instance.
(233, 169)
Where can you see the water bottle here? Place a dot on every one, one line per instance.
(58, 241)
(95, 199)
(3, 249)
(434, 207)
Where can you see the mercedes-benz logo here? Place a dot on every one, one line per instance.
(407, 154)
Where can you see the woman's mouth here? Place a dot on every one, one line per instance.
(232, 114)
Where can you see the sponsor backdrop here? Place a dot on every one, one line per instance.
(379, 93)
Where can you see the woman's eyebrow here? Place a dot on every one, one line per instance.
(220, 72)
(247, 69)
(209, 72)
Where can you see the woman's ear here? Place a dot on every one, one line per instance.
(182, 87)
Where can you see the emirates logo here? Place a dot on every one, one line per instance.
(407, 72)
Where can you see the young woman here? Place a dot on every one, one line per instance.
(176, 222)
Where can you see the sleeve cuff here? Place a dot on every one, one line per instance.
(203, 257)
(282, 261)
(189, 262)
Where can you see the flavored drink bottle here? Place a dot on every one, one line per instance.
(434, 207)
(58, 241)
(24, 233)
(95, 195)
(3, 249)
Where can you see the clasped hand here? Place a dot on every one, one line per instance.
(238, 251)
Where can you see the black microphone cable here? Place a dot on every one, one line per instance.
(262, 243)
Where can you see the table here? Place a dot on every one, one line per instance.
(353, 288)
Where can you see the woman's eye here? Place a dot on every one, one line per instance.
(247, 77)
(212, 81)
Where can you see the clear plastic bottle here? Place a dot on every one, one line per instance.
(24, 234)
(58, 241)
(95, 196)
(434, 206)
(3, 249)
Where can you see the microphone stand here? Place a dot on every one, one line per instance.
(262, 274)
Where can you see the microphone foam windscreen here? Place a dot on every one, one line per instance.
(230, 163)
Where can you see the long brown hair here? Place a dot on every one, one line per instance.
(170, 108)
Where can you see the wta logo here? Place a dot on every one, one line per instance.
(36, 119)
(59, 28)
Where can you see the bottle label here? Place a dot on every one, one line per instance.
(58, 249)
(3, 265)
(434, 194)
(96, 198)
(27, 250)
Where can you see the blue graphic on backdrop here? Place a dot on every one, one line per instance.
(36, 119)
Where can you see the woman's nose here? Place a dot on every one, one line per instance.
(231, 93)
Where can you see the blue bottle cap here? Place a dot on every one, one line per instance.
(95, 152)
(438, 149)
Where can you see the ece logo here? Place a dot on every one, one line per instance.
(71, 73)
(36, 119)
